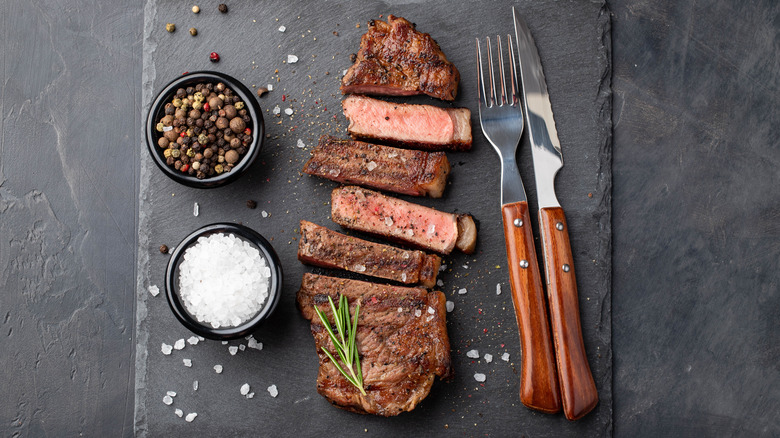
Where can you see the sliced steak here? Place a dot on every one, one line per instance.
(397, 60)
(372, 212)
(407, 125)
(320, 246)
(401, 339)
(408, 172)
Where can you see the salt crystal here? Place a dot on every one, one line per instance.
(167, 400)
(244, 389)
(439, 283)
(171, 393)
(429, 318)
(388, 221)
(462, 291)
(264, 213)
(193, 340)
(179, 344)
(431, 310)
(179, 412)
(252, 343)
(270, 87)
(201, 338)
(371, 165)
(276, 110)
(505, 357)
(166, 349)
(450, 306)
(403, 276)
(400, 309)
(292, 59)
(288, 111)
(344, 73)
(273, 391)
(218, 369)
(300, 143)
(479, 377)
(171, 249)
(465, 266)
(417, 312)
(474, 354)
(359, 268)
(154, 290)
(442, 268)
(431, 229)
(409, 232)
(191, 416)
(194, 385)
(224, 342)
(233, 350)
(187, 363)
(250, 395)
(242, 347)
(392, 155)
(282, 28)
(195, 209)
(488, 357)
(498, 288)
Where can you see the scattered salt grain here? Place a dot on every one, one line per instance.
(417, 312)
(276, 110)
(474, 354)
(344, 73)
(194, 385)
(193, 340)
(242, 347)
(488, 358)
(201, 338)
(292, 59)
(505, 357)
(252, 343)
(300, 143)
(191, 416)
(498, 288)
(429, 318)
(224, 342)
(166, 349)
(187, 363)
(171, 393)
(244, 389)
(400, 309)
(218, 369)
(264, 213)
(233, 350)
(439, 283)
(179, 344)
(288, 111)
(270, 87)
(359, 268)
(154, 290)
(431, 310)
(168, 400)
(479, 377)
(371, 165)
(250, 395)
(388, 221)
(392, 155)
(179, 413)
(465, 266)
(195, 209)
(273, 390)
(450, 306)
(403, 276)
(462, 291)
(282, 28)
(442, 268)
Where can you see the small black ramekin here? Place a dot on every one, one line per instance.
(157, 111)
(223, 333)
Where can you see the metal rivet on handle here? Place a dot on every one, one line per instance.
(518, 222)
(566, 268)
(559, 226)
(523, 264)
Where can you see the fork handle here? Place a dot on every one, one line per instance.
(578, 389)
(538, 377)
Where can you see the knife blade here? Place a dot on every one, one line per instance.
(578, 390)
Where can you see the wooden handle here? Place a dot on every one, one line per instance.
(539, 381)
(577, 387)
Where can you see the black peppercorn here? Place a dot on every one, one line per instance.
(190, 90)
(221, 142)
(252, 204)
(241, 150)
(181, 93)
(169, 109)
(222, 8)
(246, 119)
(242, 113)
(169, 160)
(164, 249)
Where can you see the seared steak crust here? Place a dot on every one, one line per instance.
(402, 341)
(320, 246)
(414, 173)
(397, 60)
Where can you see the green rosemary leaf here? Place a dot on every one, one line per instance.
(344, 343)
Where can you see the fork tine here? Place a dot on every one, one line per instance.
(501, 71)
(512, 74)
(481, 86)
(492, 83)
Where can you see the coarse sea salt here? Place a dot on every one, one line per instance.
(252, 343)
(154, 290)
(270, 87)
(191, 416)
(479, 377)
(218, 369)
(171, 393)
(166, 349)
(505, 357)
(288, 111)
(167, 400)
(244, 389)
(276, 110)
(195, 209)
(233, 350)
(273, 390)
(179, 412)
(498, 288)
(242, 347)
(264, 213)
(300, 143)
(193, 340)
(439, 283)
(282, 28)
(223, 280)
(450, 306)
(488, 358)
(462, 291)
(178, 345)
(194, 385)
(292, 59)
(474, 354)
(187, 363)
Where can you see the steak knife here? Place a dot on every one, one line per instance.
(578, 390)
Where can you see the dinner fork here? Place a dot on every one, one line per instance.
(501, 117)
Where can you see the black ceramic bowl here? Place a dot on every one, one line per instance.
(223, 333)
(157, 111)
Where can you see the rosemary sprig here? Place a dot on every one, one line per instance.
(344, 341)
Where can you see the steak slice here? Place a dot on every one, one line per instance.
(401, 339)
(397, 60)
(320, 246)
(408, 125)
(372, 212)
(414, 173)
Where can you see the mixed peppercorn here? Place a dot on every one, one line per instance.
(205, 130)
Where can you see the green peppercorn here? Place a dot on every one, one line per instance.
(170, 27)
(203, 138)
(190, 152)
(197, 104)
(193, 31)
(198, 96)
(160, 127)
(177, 102)
(239, 105)
(218, 168)
(167, 153)
(175, 153)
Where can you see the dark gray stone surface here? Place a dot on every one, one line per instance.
(578, 77)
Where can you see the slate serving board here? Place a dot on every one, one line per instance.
(574, 44)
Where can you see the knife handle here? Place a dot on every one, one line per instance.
(578, 390)
(538, 377)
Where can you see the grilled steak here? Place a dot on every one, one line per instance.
(397, 60)
(413, 126)
(408, 172)
(372, 212)
(401, 338)
(322, 247)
